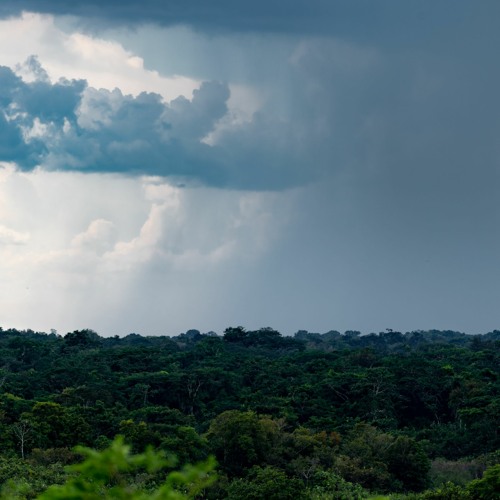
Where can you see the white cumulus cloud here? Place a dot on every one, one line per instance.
(11, 237)
(103, 63)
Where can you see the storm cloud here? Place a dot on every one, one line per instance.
(68, 125)
(409, 22)
(302, 16)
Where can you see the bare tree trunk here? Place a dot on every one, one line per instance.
(21, 430)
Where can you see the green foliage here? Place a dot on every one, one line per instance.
(383, 462)
(330, 486)
(138, 435)
(185, 443)
(240, 440)
(50, 456)
(55, 426)
(22, 479)
(265, 482)
(82, 339)
(109, 474)
(488, 487)
(447, 491)
(459, 472)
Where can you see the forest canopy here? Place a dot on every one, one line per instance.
(313, 415)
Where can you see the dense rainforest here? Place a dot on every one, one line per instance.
(317, 416)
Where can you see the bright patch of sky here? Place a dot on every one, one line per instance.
(74, 246)
(102, 63)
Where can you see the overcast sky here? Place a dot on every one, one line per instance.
(309, 164)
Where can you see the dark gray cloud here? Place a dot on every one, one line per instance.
(12, 145)
(68, 126)
(143, 135)
(407, 121)
(410, 104)
(269, 15)
(26, 106)
(411, 21)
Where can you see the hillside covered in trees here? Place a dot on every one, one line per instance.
(318, 416)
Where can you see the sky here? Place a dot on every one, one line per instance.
(303, 165)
